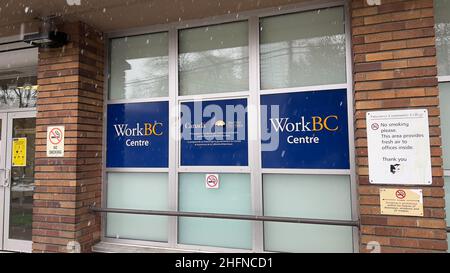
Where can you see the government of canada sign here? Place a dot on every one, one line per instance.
(399, 147)
(214, 133)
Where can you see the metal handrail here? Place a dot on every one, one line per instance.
(231, 216)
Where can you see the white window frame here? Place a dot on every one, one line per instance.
(441, 80)
(253, 96)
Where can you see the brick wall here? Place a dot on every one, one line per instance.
(395, 68)
(70, 94)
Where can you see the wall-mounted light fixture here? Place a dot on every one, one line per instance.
(48, 36)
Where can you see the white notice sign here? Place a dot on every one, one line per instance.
(399, 147)
(55, 141)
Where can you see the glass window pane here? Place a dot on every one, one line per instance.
(214, 59)
(139, 67)
(303, 49)
(18, 80)
(444, 96)
(232, 197)
(307, 196)
(22, 182)
(442, 17)
(146, 191)
(301, 238)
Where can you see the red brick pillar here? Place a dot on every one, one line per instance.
(70, 94)
(395, 68)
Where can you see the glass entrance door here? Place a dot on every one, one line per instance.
(17, 185)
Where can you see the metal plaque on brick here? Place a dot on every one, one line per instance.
(402, 202)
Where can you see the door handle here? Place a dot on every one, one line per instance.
(6, 178)
(7, 181)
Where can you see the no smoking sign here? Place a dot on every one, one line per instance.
(55, 136)
(400, 194)
(212, 181)
(55, 141)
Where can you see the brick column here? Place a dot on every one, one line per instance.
(395, 68)
(71, 94)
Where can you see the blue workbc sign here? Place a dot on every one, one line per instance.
(305, 130)
(138, 135)
(214, 133)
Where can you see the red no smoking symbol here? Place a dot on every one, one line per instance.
(212, 181)
(55, 136)
(401, 194)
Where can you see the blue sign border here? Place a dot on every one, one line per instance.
(235, 154)
(332, 150)
(135, 116)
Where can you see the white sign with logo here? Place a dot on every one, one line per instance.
(212, 181)
(55, 141)
(399, 147)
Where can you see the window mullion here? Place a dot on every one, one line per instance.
(173, 132)
(254, 132)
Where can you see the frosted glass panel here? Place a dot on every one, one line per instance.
(139, 67)
(442, 17)
(298, 238)
(303, 49)
(214, 59)
(146, 191)
(307, 196)
(444, 96)
(232, 197)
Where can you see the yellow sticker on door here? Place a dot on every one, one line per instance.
(19, 152)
